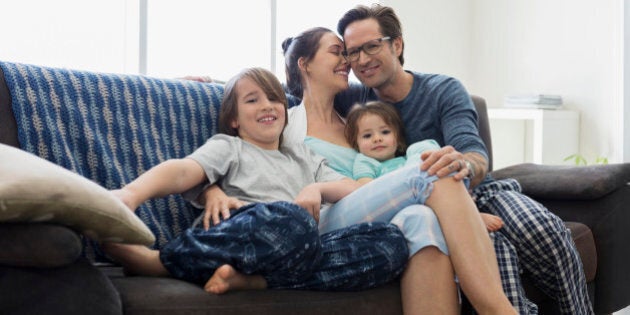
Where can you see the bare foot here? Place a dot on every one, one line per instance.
(226, 278)
(492, 222)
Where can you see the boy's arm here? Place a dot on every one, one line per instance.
(169, 177)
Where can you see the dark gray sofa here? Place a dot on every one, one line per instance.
(39, 276)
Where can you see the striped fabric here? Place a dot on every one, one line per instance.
(112, 127)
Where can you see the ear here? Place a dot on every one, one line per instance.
(234, 124)
(302, 64)
(397, 44)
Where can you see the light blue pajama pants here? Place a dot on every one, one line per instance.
(397, 197)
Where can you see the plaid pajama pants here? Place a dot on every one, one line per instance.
(280, 241)
(537, 241)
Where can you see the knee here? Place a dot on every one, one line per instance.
(414, 218)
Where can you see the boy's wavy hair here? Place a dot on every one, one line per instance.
(267, 81)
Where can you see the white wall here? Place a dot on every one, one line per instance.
(567, 47)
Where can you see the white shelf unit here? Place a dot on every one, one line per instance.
(541, 136)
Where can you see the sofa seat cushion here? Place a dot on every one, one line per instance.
(38, 245)
(155, 296)
(585, 244)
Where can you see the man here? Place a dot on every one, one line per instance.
(438, 107)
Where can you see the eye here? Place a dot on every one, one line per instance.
(386, 131)
(251, 100)
(372, 46)
(353, 52)
(366, 135)
(336, 51)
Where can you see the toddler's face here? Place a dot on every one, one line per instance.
(375, 138)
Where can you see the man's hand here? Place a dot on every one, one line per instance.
(218, 204)
(444, 161)
(448, 160)
(310, 198)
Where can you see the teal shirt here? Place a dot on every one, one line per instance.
(365, 166)
(340, 159)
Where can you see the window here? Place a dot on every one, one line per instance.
(200, 37)
(162, 38)
(88, 35)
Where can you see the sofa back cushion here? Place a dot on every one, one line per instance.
(110, 128)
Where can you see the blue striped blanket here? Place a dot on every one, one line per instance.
(112, 127)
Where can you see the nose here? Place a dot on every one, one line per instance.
(344, 59)
(266, 104)
(362, 55)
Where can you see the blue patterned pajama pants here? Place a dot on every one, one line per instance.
(280, 241)
(538, 241)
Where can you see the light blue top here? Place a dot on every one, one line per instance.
(367, 167)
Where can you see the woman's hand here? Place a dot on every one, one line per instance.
(310, 198)
(444, 161)
(218, 204)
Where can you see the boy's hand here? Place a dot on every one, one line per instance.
(310, 198)
(217, 206)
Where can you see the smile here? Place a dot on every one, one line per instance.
(267, 119)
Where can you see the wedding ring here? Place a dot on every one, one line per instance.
(461, 164)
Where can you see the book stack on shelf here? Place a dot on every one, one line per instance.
(534, 101)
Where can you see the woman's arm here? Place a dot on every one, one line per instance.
(169, 177)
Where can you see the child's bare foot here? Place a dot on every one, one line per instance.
(226, 278)
(492, 222)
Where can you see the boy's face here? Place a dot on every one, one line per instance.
(375, 138)
(374, 71)
(259, 121)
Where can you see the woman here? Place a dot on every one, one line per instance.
(316, 72)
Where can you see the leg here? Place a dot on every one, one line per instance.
(511, 275)
(470, 248)
(136, 259)
(358, 257)
(278, 241)
(542, 241)
(428, 284)
(379, 200)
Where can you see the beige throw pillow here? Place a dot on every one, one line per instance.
(35, 190)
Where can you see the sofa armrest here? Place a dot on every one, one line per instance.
(38, 245)
(599, 197)
(567, 182)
